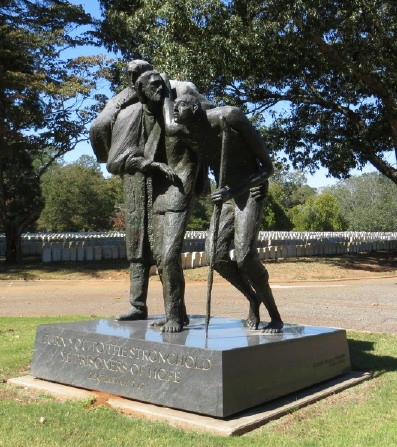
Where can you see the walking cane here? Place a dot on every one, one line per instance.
(216, 220)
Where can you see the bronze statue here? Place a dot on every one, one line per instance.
(116, 131)
(172, 202)
(249, 166)
(160, 175)
(101, 131)
(161, 163)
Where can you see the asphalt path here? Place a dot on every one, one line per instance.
(362, 305)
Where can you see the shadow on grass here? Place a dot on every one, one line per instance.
(33, 268)
(363, 359)
(376, 262)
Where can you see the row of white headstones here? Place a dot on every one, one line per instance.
(55, 247)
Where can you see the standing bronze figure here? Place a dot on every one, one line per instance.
(160, 177)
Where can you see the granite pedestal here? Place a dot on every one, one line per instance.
(233, 369)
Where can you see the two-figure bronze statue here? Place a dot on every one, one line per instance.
(162, 137)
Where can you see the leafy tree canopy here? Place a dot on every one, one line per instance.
(201, 214)
(318, 213)
(367, 202)
(325, 69)
(290, 187)
(275, 216)
(42, 92)
(287, 190)
(78, 198)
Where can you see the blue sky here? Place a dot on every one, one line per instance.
(90, 6)
(317, 180)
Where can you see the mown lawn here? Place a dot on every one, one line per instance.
(364, 416)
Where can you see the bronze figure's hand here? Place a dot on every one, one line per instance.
(260, 192)
(221, 195)
(167, 170)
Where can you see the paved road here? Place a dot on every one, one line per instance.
(364, 305)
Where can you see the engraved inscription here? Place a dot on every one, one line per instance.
(124, 365)
(331, 362)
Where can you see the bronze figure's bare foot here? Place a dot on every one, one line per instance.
(274, 327)
(253, 320)
(158, 323)
(132, 315)
(172, 326)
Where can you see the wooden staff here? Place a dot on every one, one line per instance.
(216, 220)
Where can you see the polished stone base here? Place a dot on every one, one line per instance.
(232, 370)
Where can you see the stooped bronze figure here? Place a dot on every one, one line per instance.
(240, 195)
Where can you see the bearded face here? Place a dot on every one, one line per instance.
(154, 89)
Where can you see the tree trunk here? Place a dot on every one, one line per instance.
(13, 244)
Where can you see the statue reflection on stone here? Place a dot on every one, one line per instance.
(159, 136)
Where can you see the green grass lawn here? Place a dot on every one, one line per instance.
(365, 415)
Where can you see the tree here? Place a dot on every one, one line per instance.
(201, 214)
(41, 96)
(368, 202)
(287, 189)
(318, 213)
(78, 198)
(275, 216)
(328, 66)
(290, 187)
